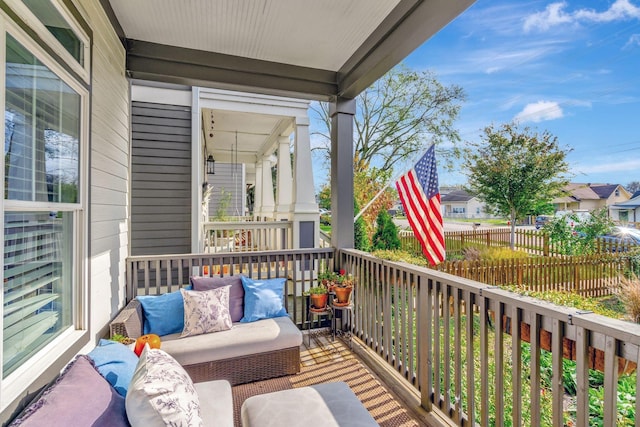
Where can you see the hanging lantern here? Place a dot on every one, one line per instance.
(211, 165)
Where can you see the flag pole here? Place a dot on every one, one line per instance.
(355, 218)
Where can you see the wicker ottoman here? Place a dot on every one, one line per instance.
(322, 405)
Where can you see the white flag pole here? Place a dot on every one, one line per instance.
(355, 218)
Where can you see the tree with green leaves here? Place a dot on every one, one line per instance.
(386, 235)
(400, 115)
(513, 169)
(360, 236)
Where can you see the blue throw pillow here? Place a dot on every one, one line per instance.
(163, 314)
(116, 363)
(263, 299)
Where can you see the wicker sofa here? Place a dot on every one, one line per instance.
(247, 352)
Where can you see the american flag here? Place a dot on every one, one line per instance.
(420, 196)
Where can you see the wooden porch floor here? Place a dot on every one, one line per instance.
(326, 360)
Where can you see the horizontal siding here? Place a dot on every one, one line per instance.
(160, 179)
(225, 183)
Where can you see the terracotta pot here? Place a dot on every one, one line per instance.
(319, 300)
(343, 294)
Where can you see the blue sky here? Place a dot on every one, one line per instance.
(572, 68)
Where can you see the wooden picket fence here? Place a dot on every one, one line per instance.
(590, 275)
(531, 241)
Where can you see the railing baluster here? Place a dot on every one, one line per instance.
(516, 365)
(498, 358)
(610, 382)
(557, 387)
(534, 337)
(582, 378)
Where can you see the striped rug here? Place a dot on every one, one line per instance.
(373, 395)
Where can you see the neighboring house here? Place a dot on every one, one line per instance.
(461, 204)
(76, 126)
(589, 197)
(628, 211)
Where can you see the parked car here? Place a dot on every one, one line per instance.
(621, 237)
(541, 220)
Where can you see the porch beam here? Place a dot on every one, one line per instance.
(408, 26)
(342, 112)
(172, 64)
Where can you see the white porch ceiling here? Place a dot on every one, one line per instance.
(317, 34)
(256, 134)
(312, 49)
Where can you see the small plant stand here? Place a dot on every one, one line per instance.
(346, 316)
(313, 314)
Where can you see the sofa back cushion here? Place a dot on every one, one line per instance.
(236, 293)
(206, 311)
(79, 397)
(115, 362)
(263, 299)
(163, 314)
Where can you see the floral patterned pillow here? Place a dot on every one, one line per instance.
(206, 311)
(161, 393)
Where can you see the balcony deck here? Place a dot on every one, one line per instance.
(326, 360)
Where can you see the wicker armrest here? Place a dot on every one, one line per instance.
(129, 321)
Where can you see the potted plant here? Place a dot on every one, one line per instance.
(326, 278)
(343, 288)
(318, 296)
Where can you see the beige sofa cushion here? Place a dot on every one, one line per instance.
(321, 405)
(216, 403)
(242, 339)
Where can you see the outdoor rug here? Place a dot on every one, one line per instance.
(374, 396)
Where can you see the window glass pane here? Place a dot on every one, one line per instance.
(42, 129)
(38, 247)
(58, 26)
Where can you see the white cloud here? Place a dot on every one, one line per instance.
(555, 15)
(539, 111)
(634, 40)
(629, 165)
(620, 10)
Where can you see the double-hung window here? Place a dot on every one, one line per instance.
(44, 187)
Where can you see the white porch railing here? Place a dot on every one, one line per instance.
(454, 340)
(244, 236)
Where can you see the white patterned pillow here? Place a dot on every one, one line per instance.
(161, 393)
(206, 311)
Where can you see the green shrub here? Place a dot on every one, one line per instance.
(386, 235)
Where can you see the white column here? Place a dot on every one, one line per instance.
(268, 205)
(303, 187)
(284, 186)
(257, 202)
(304, 209)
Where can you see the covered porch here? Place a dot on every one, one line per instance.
(445, 349)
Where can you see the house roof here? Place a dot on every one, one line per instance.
(628, 204)
(604, 191)
(302, 48)
(457, 196)
(575, 192)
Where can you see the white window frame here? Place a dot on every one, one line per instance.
(15, 383)
(35, 23)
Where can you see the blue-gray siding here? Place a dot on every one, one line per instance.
(160, 179)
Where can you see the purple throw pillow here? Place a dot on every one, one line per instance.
(79, 397)
(236, 293)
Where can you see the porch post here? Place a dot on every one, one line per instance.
(284, 188)
(304, 209)
(342, 112)
(267, 189)
(257, 202)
